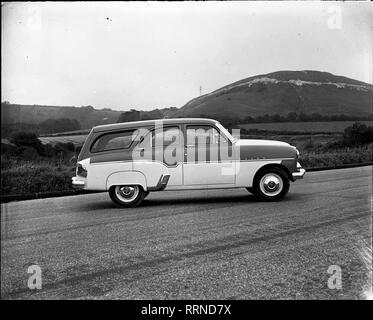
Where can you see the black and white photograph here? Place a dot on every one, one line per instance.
(203, 152)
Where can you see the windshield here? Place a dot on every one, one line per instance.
(226, 132)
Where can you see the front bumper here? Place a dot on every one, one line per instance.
(77, 184)
(300, 172)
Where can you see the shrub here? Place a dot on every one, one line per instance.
(66, 147)
(28, 139)
(358, 134)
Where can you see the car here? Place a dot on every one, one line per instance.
(132, 159)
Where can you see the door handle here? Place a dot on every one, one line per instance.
(186, 147)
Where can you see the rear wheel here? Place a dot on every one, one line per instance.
(271, 184)
(127, 196)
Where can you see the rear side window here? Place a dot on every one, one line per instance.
(114, 141)
(159, 137)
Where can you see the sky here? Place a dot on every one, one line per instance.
(155, 55)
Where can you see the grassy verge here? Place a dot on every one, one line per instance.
(24, 177)
(311, 159)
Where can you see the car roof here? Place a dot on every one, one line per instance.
(144, 123)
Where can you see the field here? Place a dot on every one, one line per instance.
(307, 127)
(75, 139)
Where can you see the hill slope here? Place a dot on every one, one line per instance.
(16, 117)
(34, 114)
(283, 92)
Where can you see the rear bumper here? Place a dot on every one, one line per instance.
(77, 184)
(299, 174)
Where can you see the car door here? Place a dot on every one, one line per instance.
(208, 157)
(162, 146)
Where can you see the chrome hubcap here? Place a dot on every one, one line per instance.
(127, 193)
(271, 184)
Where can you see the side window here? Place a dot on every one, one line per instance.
(166, 136)
(113, 141)
(204, 135)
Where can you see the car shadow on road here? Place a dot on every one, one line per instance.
(198, 200)
(175, 201)
(206, 199)
(156, 202)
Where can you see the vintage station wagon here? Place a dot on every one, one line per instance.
(132, 159)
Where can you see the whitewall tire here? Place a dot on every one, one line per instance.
(271, 184)
(126, 196)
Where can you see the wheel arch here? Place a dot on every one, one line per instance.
(273, 166)
(126, 178)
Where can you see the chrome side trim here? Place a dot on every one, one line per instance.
(136, 161)
(264, 159)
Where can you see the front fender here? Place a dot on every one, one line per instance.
(126, 178)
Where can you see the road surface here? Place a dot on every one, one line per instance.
(219, 244)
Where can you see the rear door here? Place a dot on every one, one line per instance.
(162, 146)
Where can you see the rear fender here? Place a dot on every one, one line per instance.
(126, 178)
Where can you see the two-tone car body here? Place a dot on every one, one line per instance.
(134, 158)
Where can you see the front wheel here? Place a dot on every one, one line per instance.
(127, 196)
(271, 184)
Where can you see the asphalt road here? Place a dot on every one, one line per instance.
(215, 244)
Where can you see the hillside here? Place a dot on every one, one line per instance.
(277, 93)
(283, 92)
(34, 114)
(38, 118)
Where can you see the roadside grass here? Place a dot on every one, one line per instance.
(24, 176)
(27, 177)
(338, 157)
